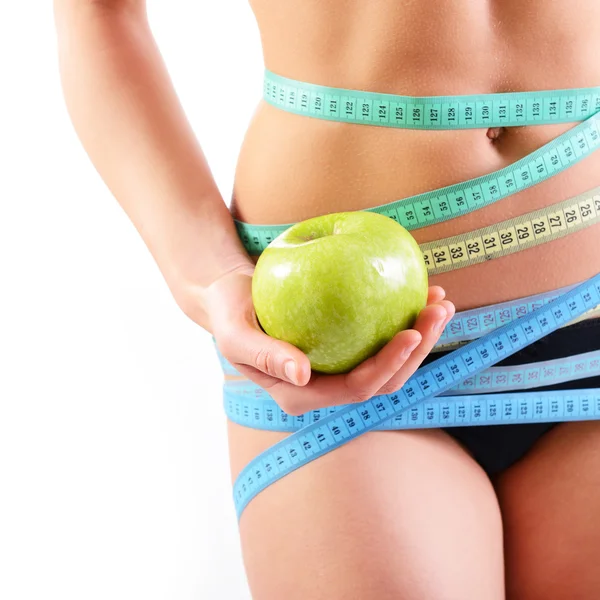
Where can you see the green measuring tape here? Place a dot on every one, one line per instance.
(415, 404)
(456, 200)
(430, 112)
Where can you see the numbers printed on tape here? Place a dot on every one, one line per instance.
(456, 200)
(255, 403)
(432, 112)
(490, 110)
(417, 402)
(513, 235)
(446, 411)
(431, 380)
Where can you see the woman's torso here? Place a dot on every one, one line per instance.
(294, 167)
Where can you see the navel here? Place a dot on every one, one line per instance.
(494, 133)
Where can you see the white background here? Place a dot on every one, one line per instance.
(114, 480)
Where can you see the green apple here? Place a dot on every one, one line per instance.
(340, 286)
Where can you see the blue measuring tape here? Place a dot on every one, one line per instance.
(435, 395)
(495, 379)
(471, 324)
(462, 411)
(348, 422)
(249, 405)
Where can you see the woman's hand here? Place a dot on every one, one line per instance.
(284, 371)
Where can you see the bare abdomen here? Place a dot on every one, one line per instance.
(293, 167)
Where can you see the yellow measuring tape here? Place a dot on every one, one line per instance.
(507, 237)
(326, 431)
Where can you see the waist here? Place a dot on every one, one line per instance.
(292, 168)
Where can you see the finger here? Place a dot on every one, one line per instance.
(388, 366)
(265, 381)
(430, 324)
(363, 382)
(358, 385)
(435, 294)
(246, 345)
(240, 338)
(387, 361)
(293, 400)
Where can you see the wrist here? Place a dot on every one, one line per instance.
(191, 294)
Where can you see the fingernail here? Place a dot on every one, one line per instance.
(407, 351)
(290, 371)
(437, 328)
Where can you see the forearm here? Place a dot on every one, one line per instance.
(127, 115)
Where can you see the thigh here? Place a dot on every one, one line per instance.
(397, 515)
(550, 502)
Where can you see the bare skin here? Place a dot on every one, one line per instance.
(391, 515)
(443, 48)
(293, 167)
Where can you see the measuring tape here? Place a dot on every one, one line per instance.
(456, 200)
(532, 375)
(350, 421)
(492, 380)
(471, 324)
(468, 325)
(459, 411)
(430, 112)
(513, 235)
(470, 367)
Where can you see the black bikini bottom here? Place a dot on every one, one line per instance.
(497, 447)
